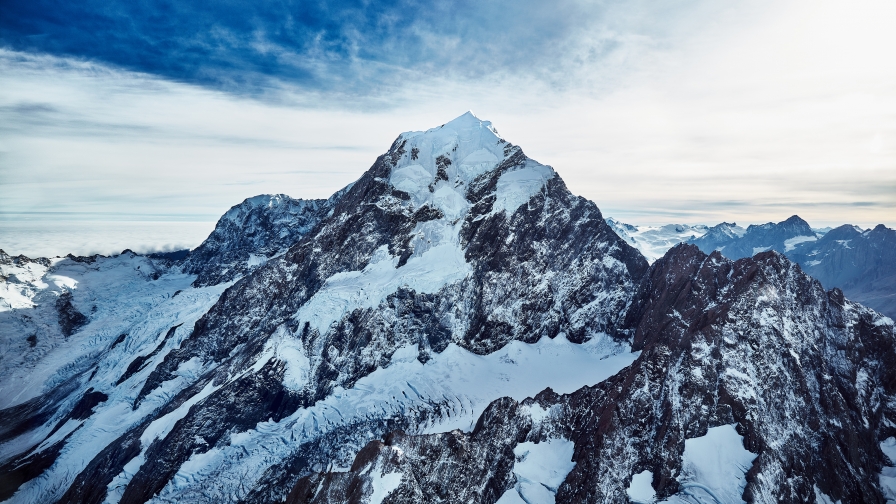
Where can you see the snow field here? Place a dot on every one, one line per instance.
(654, 241)
(713, 468)
(438, 260)
(640, 490)
(96, 291)
(460, 382)
(383, 485)
(888, 473)
(23, 282)
(540, 469)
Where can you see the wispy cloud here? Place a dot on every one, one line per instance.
(349, 47)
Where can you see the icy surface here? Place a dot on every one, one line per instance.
(430, 177)
(888, 446)
(714, 467)
(463, 382)
(144, 316)
(383, 485)
(22, 283)
(641, 488)
(888, 474)
(516, 187)
(791, 243)
(96, 288)
(822, 498)
(540, 468)
(427, 271)
(158, 429)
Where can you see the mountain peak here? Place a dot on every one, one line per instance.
(797, 221)
(465, 126)
(464, 121)
(438, 166)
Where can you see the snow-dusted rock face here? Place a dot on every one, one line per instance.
(735, 242)
(248, 234)
(454, 251)
(860, 262)
(455, 326)
(78, 325)
(752, 383)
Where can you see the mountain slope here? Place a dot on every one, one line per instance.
(806, 378)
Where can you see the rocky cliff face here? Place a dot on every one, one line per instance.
(803, 376)
(250, 233)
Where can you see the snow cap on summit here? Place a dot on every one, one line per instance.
(436, 166)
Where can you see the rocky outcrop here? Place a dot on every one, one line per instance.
(70, 319)
(250, 233)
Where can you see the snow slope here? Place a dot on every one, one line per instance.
(713, 468)
(456, 383)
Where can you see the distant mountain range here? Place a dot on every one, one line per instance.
(456, 326)
(860, 262)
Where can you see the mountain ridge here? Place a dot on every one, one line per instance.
(456, 325)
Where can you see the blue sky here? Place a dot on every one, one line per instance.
(354, 48)
(685, 111)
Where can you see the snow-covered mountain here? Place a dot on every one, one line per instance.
(860, 262)
(735, 242)
(654, 241)
(453, 244)
(455, 326)
(250, 233)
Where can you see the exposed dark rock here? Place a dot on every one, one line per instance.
(70, 319)
(755, 343)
